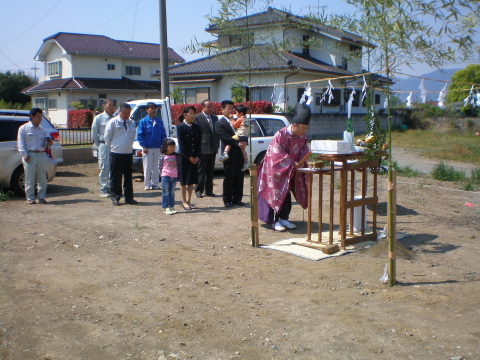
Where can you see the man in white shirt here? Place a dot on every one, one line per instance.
(98, 132)
(31, 142)
(120, 132)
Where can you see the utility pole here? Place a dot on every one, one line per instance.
(35, 72)
(164, 84)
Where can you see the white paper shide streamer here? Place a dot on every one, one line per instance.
(423, 92)
(441, 97)
(350, 101)
(409, 101)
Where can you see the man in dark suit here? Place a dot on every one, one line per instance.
(233, 174)
(209, 148)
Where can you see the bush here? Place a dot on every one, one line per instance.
(79, 119)
(16, 106)
(469, 110)
(258, 107)
(406, 171)
(469, 125)
(475, 175)
(414, 119)
(444, 172)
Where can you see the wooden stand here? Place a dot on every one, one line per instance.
(345, 201)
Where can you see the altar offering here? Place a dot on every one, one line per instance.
(331, 147)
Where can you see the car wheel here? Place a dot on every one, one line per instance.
(259, 158)
(18, 181)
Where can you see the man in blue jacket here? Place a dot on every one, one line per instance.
(150, 136)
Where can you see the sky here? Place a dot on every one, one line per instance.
(137, 20)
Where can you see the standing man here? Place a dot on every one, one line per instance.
(98, 132)
(119, 136)
(233, 174)
(31, 142)
(277, 175)
(150, 136)
(209, 149)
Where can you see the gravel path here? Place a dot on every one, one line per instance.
(409, 157)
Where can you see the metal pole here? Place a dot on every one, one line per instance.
(165, 87)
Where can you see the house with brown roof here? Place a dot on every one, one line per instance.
(286, 53)
(89, 68)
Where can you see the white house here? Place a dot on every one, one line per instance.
(287, 53)
(89, 68)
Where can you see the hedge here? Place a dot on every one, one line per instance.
(258, 107)
(79, 119)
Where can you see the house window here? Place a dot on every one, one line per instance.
(89, 103)
(52, 104)
(344, 63)
(40, 103)
(244, 39)
(196, 95)
(356, 50)
(377, 98)
(134, 70)
(356, 97)
(337, 97)
(54, 68)
(306, 46)
(261, 93)
(102, 96)
(111, 66)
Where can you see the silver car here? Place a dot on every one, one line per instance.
(12, 176)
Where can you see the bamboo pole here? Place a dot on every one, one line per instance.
(254, 210)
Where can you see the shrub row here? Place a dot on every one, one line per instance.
(79, 119)
(258, 107)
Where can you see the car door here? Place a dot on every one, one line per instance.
(10, 158)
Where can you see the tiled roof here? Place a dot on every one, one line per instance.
(94, 83)
(262, 58)
(103, 45)
(274, 16)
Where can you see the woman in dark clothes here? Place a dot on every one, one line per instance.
(189, 141)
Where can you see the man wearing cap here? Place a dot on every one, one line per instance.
(277, 175)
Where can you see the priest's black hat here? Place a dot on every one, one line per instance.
(301, 114)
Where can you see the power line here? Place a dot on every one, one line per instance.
(134, 19)
(11, 60)
(32, 25)
(115, 17)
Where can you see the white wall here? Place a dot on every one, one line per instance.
(56, 54)
(96, 67)
(267, 35)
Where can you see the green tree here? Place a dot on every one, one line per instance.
(462, 81)
(11, 85)
(76, 104)
(238, 91)
(177, 95)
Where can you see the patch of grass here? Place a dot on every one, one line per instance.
(137, 226)
(5, 195)
(444, 172)
(468, 186)
(475, 175)
(406, 171)
(454, 145)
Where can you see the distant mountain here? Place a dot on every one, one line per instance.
(412, 84)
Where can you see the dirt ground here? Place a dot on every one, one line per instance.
(82, 279)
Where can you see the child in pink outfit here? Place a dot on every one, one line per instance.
(168, 168)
